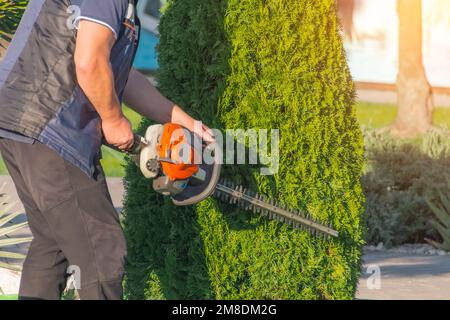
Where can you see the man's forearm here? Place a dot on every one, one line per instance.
(97, 81)
(141, 96)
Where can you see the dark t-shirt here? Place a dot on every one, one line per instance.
(109, 13)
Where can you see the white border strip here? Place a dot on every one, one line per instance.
(130, 11)
(77, 20)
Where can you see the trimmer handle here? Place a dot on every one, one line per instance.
(138, 143)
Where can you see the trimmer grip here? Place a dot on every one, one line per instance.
(137, 145)
(138, 142)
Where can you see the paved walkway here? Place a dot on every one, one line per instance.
(385, 275)
(404, 276)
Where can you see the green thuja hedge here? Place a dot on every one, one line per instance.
(255, 64)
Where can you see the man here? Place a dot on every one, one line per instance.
(61, 90)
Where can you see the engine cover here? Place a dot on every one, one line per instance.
(174, 158)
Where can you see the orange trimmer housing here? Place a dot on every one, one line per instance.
(176, 153)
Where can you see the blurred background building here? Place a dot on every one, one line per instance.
(149, 12)
(372, 40)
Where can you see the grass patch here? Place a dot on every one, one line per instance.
(9, 297)
(441, 117)
(376, 116)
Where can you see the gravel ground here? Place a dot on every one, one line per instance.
(9, 282)
(404, 273)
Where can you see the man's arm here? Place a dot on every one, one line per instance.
(96, 79)
(141, 96)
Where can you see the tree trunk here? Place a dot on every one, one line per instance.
(415, 105)
(346, 9)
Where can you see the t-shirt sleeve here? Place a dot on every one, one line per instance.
(109, 13)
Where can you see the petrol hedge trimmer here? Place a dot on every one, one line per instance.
(169, 154)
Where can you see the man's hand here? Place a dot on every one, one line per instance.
(207, 134)
(196, 126)
(118, 133)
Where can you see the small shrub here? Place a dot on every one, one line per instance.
(400, 176)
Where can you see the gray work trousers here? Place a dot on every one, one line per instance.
(73, 221)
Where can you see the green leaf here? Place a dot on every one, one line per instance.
(11, 255)
(11, 229)
(13, 267)
(9, 218)
(440, 213)
(14, 241)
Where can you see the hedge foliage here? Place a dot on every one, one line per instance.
(255, 64)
